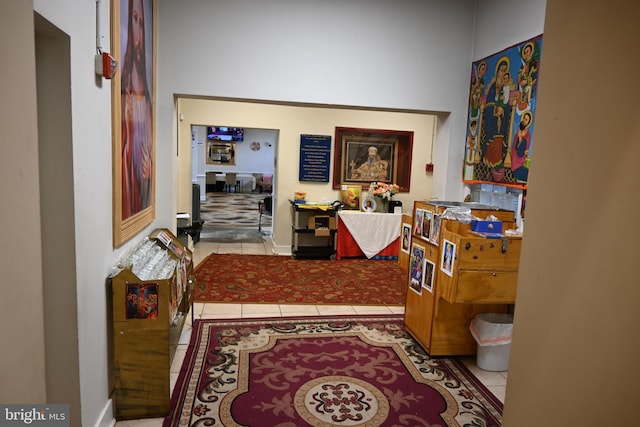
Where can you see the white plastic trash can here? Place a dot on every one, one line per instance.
(492, 332)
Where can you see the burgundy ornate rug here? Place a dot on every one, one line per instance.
(234, 278)
(338, 371)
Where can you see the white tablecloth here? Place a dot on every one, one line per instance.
(372, 231)
(243, 178)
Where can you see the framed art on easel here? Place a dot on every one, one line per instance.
(133, 30)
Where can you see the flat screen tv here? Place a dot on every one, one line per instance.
(224, 133)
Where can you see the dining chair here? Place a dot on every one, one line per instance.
(266, 184)
(231, 181)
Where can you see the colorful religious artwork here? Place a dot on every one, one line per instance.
(502, 104)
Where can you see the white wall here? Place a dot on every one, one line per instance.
(247, 160)
(364, 53)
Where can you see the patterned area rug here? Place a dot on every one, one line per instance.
(232, 210)
(235, 278)
(340, 371)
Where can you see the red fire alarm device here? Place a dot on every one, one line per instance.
(106, 65)
(429, 167)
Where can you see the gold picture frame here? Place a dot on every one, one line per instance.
(221, 153)
(351, 197)
(133, 116)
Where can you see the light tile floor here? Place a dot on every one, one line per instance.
(494, 381)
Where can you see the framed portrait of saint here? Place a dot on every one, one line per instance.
(366, 155)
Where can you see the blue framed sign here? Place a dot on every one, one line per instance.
(315, 156)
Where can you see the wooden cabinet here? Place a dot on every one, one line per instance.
(151, 296)
(485, 270)
(480, 278)
(313, 231)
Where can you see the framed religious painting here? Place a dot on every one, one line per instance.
(133, 31)
(366, 155)
(501, 116)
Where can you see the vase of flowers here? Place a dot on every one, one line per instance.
(384, 192)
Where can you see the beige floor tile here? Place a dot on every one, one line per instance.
(197, 308)
(371, 309)
(298, 310)
(203, 250)
(488, 378)
(230, 248)
(396, 309)
(498, 391)
(329, 310)
(254, 249)
(221, 311)
(178, 358)
(260, 310)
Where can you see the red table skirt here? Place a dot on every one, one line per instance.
(347, 247)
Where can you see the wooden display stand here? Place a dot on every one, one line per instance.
(148, 317)
(482, 279)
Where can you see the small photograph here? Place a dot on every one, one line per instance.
(448, 257)
(369, 204)
(426, 224)
(434, 233)
(406, 238)
(418, 222)
(416, 269)
(429, 271)
(351, 196)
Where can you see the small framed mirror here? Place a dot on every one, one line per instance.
(221, 153)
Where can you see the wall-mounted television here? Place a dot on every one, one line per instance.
(224, 133)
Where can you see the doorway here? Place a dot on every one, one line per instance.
(55, 168)
(232, 211)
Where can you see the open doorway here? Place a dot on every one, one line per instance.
(55, 154)
(235, 170)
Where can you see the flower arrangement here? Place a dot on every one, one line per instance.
(383, 190)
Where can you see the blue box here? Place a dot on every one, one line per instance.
(483, 226)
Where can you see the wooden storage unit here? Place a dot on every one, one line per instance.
(485, 270)
(313, 231)
(479, 282)
(148, 318)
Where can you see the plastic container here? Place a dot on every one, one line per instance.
(492, 332)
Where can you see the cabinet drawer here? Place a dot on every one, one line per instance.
(483, 287)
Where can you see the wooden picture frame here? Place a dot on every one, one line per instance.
(406, 238)
(448, 258)
(416, 268)
(366, 155)
(429, 272)
(133, 117)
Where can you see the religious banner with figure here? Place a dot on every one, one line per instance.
(502, 104)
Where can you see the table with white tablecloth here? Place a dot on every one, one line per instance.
(247, 181)
(371, 234)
